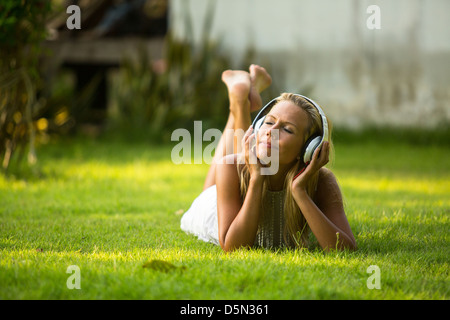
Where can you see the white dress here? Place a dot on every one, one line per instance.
(201, 219)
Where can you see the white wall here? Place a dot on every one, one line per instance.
(399, 74)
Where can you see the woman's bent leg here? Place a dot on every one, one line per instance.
(244, 94)
(238, 84)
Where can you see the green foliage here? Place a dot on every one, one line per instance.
(152, 101)
(22, 22)
(22, 25)
(153, 104)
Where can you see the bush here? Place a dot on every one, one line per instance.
(23, 28)
(152, 104)
(151, 100)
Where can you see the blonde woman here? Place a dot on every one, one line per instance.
(242, 207)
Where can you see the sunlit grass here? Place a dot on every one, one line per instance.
(423, 186)
(110, 207)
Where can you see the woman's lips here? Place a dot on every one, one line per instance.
(266, 144)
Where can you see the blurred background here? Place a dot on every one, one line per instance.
(139, 69)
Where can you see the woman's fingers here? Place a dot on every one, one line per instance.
(321, 155)
(326, 151)
(246, 143)
(245, 139)
(250, 148)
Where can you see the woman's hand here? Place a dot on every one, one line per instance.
(325, 215)
(319, 159)
(249, 153)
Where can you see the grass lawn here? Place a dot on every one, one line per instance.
(111, 207)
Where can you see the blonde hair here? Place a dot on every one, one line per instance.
(296, 230)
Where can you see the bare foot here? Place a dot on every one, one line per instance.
(260, 80)
(238, 83)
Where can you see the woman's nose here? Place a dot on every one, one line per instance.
(269, 131)
(272, 130)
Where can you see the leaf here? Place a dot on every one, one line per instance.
(179, 212)
(160, 265)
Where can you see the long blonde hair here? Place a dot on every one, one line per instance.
(296, 230)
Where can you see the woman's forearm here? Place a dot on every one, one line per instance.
(327, 233)
(242, 230)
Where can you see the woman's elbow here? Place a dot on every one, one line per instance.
(223, 244)
(226, 247)
(229, 247)
(349, 245)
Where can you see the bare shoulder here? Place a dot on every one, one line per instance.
(327, 187)
(326, 175)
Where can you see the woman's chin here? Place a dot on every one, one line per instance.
(264, 159)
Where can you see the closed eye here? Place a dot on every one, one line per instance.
(270, 123)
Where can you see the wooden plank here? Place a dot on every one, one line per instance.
(104, 51)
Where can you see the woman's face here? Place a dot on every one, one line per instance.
(283, 131)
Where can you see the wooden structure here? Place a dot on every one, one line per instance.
(110, 31)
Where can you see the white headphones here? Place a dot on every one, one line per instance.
(314, 142)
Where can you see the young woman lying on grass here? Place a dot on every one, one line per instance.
(242, 207)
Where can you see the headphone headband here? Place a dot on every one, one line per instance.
(310, 147)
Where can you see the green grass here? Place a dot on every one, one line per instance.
(110, 207)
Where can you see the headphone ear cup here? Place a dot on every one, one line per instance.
(310, 146)
(258, 124)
